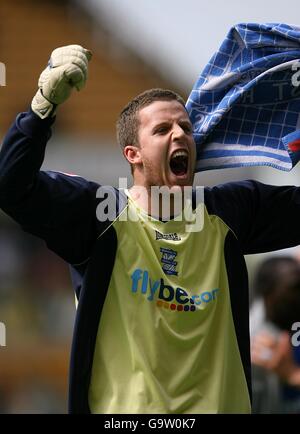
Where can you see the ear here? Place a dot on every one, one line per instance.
(132, 154)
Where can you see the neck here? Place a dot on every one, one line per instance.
(161, 202)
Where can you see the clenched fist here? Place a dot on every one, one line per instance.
(67, 68)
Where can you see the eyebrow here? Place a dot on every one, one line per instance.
(186, 122)
(162, 123)
(168, 123)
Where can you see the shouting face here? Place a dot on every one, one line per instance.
(166, 152)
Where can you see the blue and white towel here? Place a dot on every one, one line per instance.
(245, 106)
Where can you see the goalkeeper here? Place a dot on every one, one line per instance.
(162, 316)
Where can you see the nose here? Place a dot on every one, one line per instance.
(178, 132)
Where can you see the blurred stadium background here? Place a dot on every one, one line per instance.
(36, 300)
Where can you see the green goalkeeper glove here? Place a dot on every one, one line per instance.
(67, 68)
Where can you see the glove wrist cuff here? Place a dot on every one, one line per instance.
(41, 106)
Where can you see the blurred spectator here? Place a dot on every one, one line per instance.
(276, 362)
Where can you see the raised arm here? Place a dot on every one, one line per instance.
(54, 206)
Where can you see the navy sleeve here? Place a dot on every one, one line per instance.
(59, 208)
(263, 217)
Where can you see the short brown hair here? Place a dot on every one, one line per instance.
(128, 121)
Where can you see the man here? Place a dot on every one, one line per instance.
(162, 317)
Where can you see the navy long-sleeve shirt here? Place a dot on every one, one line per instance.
(241, 218)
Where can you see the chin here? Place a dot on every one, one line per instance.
(182, 181)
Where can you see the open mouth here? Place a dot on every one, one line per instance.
(179, 162)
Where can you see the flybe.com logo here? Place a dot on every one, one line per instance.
(167, 296)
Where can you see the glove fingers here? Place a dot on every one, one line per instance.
(78, 65)
(72, 65)
(57, 91)
(64, 55)
(75, 76)
(72, 73)
(73, 48)
(67, 68)
(67, 60)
